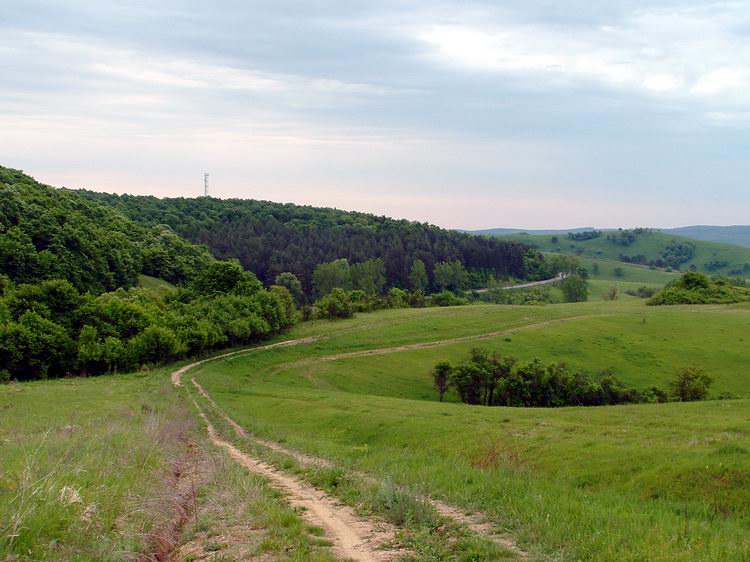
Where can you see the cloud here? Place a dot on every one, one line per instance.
(478, 114)
(690, 54)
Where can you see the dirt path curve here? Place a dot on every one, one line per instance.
(177, 375)
(353, 537)
(477, 522)
(450, 341)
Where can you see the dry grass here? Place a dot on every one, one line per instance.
(496, 455)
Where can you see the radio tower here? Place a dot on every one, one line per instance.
(205, 184)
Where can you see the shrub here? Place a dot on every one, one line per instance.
(612, 294)
(447, 298)
(574, 289)
(441, 377)
(698, 288)
(690, 384)
(336, 304)
(493, 380)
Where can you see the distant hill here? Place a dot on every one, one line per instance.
(505, 231)
(738, 234)
(270, 238)
(647, 247)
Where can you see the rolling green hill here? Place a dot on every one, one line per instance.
(645, 482)
(737, 234)
(649, 246)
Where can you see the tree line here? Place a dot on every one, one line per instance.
(50, 329)
(273, 238)
(491, 379)
(48, 233)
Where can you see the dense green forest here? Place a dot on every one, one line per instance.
(48, 233)
(70, 262)
(272, 238)
(68, 301)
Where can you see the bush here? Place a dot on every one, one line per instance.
(447, 298)
(690, 384)
(574, 289)
(493, 380)
(336, 304)
(698, 288)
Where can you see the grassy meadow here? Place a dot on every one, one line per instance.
(649, 244)
(636, 482)
(86, 473)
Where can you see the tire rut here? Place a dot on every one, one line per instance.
(353, 537)
(476, 522)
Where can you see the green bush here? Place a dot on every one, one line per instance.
(447, 298)
(690, 384)
(336, 304)
(697, 288)
(490, 379)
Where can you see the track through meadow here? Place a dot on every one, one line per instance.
(352, 536)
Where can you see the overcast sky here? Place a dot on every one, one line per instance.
(533, 114)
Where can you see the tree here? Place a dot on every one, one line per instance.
(336, 304)
(441, 377)
(690, 384)
(292, 284)
(595, 268)
(225, 277)
(89, 350)
(331, 275)
(450, 276)
(418, 280)
(612, 294)
(619, 272)
(153, 345)
(574, 289)
(368, 276)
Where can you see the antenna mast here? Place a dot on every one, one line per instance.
(205, 184)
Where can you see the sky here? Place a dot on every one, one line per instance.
(473, 114)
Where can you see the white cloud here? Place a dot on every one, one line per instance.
(690, 54)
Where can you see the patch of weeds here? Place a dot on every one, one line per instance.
(496, 455)
(402, 509)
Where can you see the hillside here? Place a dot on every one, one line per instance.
(648, 247)
(506, 231)
(50, 233)
(270, 238)
(737, 234)
(376, 412)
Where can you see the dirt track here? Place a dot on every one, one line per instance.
(353, 537)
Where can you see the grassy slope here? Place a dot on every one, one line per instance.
(112, 442)
(154, 283)
(650, 245)
(658, 482)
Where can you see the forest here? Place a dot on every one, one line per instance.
(52, 233)
(272, 238)
(70, 263)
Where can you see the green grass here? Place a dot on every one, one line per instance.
(84, 475)
(649, 245)
(82, 464)
(655, 482)
(154, 283)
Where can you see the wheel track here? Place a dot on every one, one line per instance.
(353, 537)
